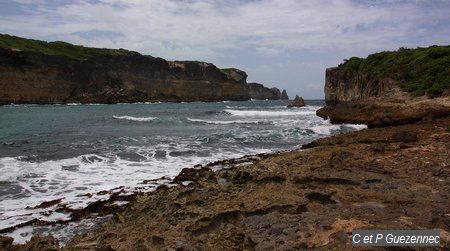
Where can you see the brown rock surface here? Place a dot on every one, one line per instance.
(362, 99)
(377, 113)
(296, 102)
(381, 178)
(344, 86)
(37, 243)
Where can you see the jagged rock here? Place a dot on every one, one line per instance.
(297, 102)
(284, 95)
(36, 243)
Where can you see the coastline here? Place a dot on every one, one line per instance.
(299, 199)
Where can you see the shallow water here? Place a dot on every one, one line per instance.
(52, 152)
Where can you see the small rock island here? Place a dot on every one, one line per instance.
(296, 102)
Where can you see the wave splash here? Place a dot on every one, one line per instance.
(256, 113)
(140, 119)
(223, 122)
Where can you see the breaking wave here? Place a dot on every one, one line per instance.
(228, 122)
(256, 113)
(141, 119)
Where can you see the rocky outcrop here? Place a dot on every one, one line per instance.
(343, 86)
(309, 199)
(296, 102)
(380, 114)
(260, 92)
(284, 95)
(31, 77)
(37, 243)
(360, 98)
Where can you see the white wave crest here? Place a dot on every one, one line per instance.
(255, 113)
(141, 119)
(222, 122)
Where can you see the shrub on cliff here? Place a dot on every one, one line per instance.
(420, 71)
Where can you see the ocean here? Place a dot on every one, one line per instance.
(50, 152)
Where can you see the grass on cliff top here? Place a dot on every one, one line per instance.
(421, 71)
(57, 48)
(229, 70)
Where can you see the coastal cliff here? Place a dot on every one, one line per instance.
(389, 88)
(63, 73)
(343, 86)
(260, 92)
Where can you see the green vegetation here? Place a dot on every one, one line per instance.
(420, 71)
(57, 48)
(229, 70)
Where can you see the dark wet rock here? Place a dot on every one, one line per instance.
(239, 177)
(131, 156)
(297, 102)
(70, 168)
(191, 174)
(5, 242)
(404, 136)
(91, 159)
(321, 198)
(160, 154)
(284, 95)
(49, 203)
(182, 153)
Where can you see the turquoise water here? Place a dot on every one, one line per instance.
(62, 151)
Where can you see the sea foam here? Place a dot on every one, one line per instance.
(141, 119)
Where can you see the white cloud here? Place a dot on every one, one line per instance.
(199, 28)
(212, 30)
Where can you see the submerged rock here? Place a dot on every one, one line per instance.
(297, 102)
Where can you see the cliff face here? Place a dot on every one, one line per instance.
(31, 77)
(360, 98)
(260, 92)
(346, 86)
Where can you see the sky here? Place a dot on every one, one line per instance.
(280, 43)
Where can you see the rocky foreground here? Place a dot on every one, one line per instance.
(381, 178)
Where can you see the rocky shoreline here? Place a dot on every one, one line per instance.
(381, 178)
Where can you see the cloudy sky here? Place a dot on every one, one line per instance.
(282, 43)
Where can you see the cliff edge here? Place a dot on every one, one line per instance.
(389, 88)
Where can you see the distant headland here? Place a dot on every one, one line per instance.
(39, 72)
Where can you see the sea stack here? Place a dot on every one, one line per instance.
(297, 102)
(284, 95)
